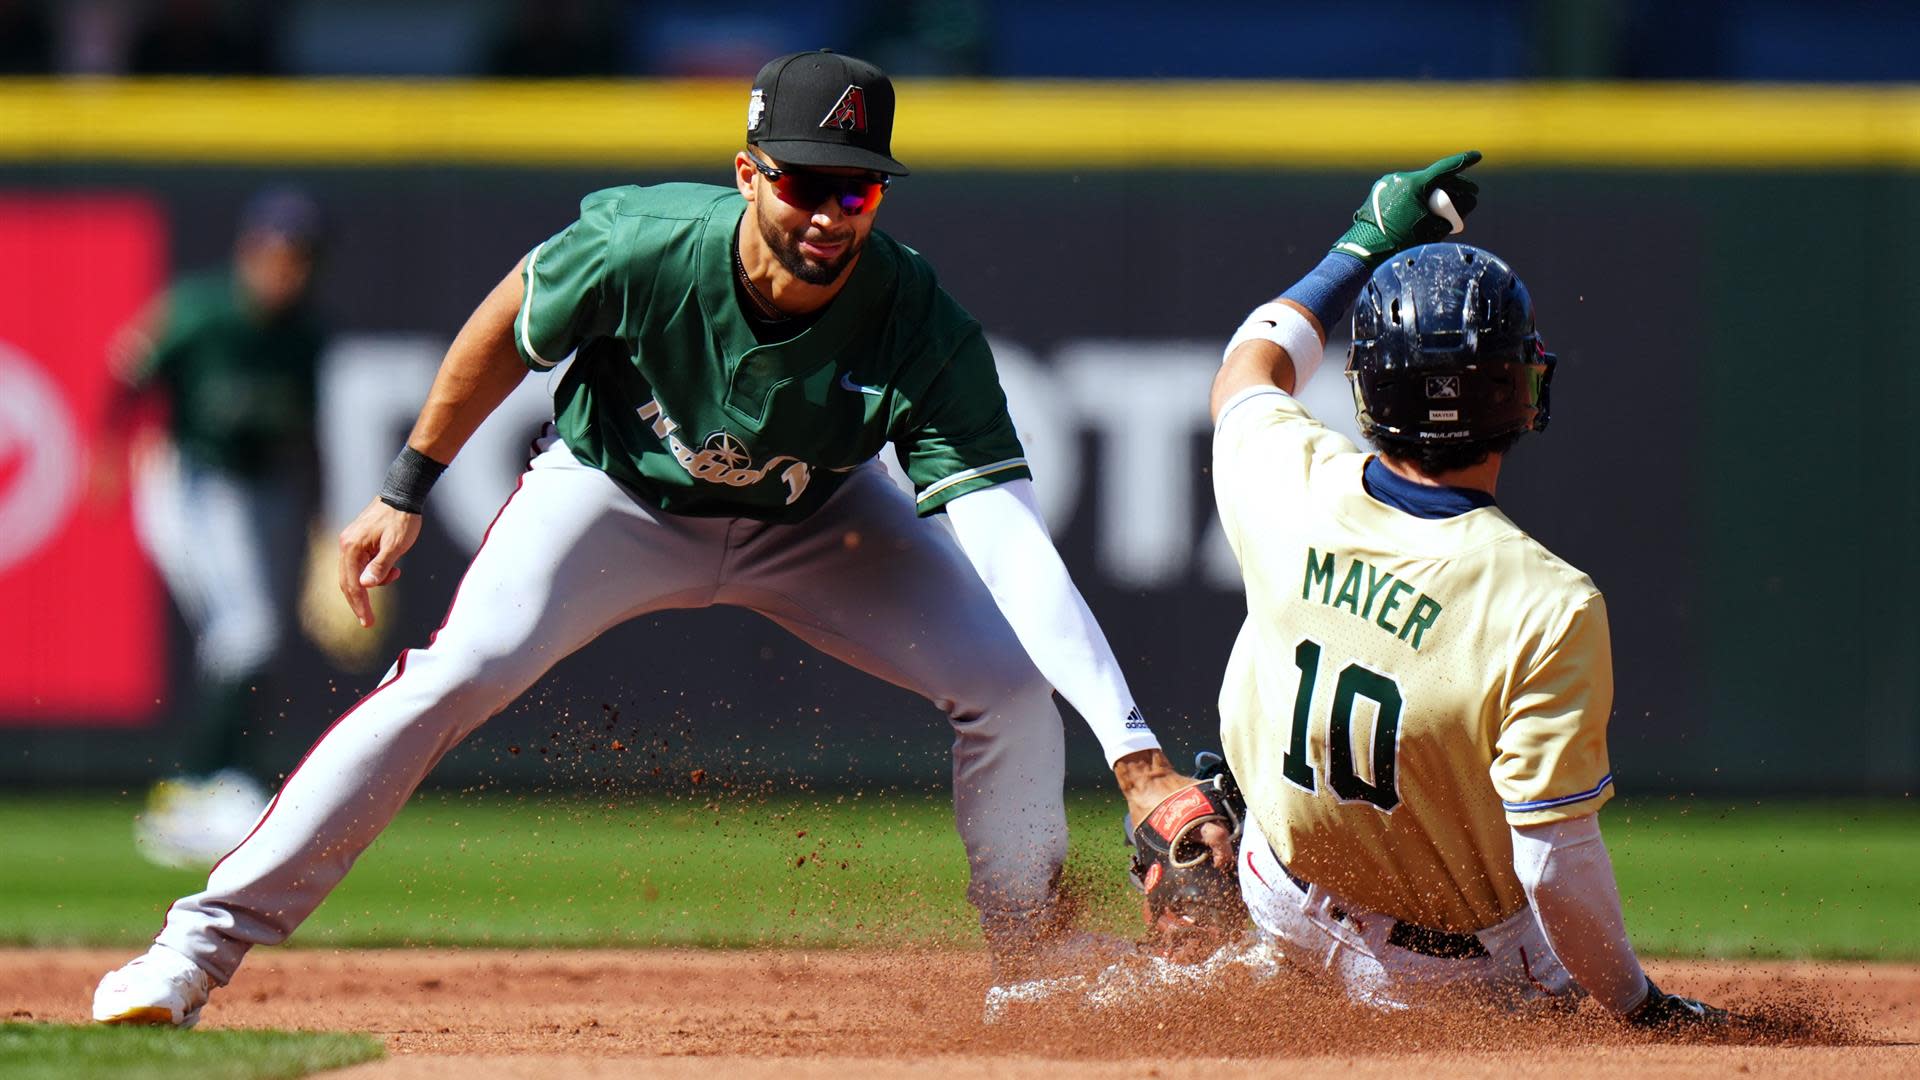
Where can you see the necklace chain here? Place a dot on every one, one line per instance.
(759, 298)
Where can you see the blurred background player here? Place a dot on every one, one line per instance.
(1416, 706)
(221, 501)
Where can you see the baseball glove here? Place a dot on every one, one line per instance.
(1191, 904)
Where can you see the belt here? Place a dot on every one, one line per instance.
(1440, 944)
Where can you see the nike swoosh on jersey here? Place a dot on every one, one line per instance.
(847, 383)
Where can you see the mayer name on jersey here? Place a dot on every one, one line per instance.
(1404, 688)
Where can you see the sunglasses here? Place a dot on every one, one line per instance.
(855, 195)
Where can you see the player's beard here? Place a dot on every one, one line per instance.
(786, 248)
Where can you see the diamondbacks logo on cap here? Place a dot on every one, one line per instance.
(849, 113)
(1443, 386)
(756, 108)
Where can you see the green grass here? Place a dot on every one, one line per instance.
(1774, 879)
(506, 871)
(1823, 880)
(62, 1052)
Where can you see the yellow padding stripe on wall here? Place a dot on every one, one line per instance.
(960, 124)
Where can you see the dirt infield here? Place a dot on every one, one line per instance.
(480, 1015)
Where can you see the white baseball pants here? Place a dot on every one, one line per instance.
(229, 549)
(572, 554)
(1317, 931)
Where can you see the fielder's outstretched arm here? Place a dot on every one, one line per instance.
(1003, 534)
(480, 369)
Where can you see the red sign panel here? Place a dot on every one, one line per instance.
(82, 636)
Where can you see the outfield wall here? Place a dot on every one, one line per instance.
(1724, 274)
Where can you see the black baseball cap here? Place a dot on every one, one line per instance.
(287, 212)
(822, 108)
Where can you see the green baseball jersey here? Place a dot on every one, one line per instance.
(671, 392)
(240, 385)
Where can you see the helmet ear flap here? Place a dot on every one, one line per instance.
(1543, 388)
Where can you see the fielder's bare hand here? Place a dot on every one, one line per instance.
(1146, 778)
(370, 550)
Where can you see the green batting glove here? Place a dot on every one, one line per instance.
(1396, 216)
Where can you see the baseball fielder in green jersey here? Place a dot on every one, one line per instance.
(1416, 707)
(740, 357)
(222, 503)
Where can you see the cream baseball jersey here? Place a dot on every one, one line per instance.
(1403, 687)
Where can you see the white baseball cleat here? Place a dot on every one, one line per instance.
(160, 988)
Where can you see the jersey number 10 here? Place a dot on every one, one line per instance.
(1297, 764)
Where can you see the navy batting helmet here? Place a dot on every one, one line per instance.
(1444, 350)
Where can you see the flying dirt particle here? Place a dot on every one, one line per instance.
(514, 750)
(616, 746)
(798, 833)
(698, 776)
(799, 862)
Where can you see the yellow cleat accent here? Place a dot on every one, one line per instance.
(145, 1014)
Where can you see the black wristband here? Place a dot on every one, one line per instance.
(409, 479)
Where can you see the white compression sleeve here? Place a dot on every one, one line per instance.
(1002, 533)
(1569, 880)
(1287, 328)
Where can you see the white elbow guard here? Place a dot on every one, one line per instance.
(1287, 328)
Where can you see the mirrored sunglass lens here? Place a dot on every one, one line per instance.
(859, 196)
(808, 190)
(800, 189)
